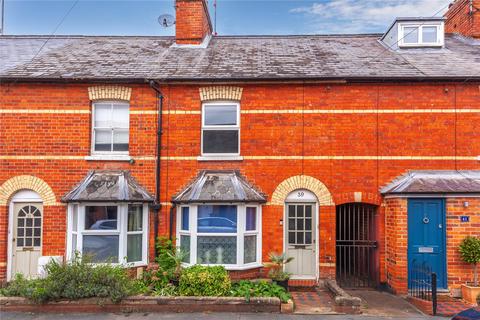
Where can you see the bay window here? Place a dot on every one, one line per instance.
(220, 234)
(108, 232)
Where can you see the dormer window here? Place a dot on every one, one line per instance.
(420, 35)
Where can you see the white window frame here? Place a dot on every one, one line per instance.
(420, 26)
(111, 152)
(220, 127)
(241, 232)
(121, 231)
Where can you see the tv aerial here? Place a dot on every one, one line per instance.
(166, 20)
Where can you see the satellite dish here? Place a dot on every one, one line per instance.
(166, 20)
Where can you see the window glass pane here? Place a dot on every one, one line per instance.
(300, 211)
(217, 219)
(101, 248)
(291, 237)
(299, 224)
(220, 115)
(220, 141)
(308, 211)
(120, 140)
(217, 250)
(185, 218)
(185, 247)
(308, 238)
(135, 217)
(120, 118)
(251, 223)
(103, 140)
(74, 245)
(410, 35)
(75, 217)
(103, 115)
(250, 249)
(429, 34)
(299, 237)
(134, 247)
(308, 224)
(291, 224)
(100, 218)
(291, 211)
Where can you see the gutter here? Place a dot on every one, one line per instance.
(156, 206)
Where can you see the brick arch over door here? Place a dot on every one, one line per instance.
(302, 182)
(12, 185)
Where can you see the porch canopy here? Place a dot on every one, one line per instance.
(108, 185)
(435, 181)
(219, 186)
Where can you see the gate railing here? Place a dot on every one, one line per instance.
(423, 283)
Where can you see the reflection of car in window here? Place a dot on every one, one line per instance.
(110, 224)
(216, 224)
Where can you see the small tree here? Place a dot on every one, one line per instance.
(470, 252)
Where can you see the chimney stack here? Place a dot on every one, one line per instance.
(193, 23)
(463, 17)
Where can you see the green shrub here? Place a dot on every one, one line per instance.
(470, 253)
(74, 280)
(261, 288)
(204, 281)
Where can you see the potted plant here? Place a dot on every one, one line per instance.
(178, 257)
(470, 253)
(277, 265)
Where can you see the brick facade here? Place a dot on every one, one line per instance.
(396, 258)
(341, 141)
(464, 17)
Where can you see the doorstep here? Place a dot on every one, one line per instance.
(318, 301)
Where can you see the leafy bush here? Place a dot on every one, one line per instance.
(74, 280)
(470, 253)
(261, 288)
(204, 281)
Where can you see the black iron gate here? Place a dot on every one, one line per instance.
(356, 246)
(423, 283)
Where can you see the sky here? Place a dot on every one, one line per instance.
(234, 17)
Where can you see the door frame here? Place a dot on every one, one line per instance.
(444, 238)
(316, 209)
(22, 196)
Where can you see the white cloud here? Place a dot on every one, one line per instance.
(351, 16)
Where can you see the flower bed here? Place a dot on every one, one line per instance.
(81, 286)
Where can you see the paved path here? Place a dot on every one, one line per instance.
(194, 316)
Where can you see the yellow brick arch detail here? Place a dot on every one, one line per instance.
(302, 182)
(12, 185)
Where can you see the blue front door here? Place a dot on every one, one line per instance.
(426, 236)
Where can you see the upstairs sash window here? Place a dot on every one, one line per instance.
(221, 129)
(111, 122)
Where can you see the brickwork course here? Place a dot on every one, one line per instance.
(342, 141)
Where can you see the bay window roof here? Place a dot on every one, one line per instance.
(108, 185)
(220, 186)
(435, 181)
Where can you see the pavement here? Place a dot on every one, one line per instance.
(383, 304)
(195, 316)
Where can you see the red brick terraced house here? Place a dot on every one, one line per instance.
(358, 155)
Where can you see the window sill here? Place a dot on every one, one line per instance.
(220, 158)
(231, 267)
(108, 157)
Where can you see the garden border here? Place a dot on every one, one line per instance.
(148, 304)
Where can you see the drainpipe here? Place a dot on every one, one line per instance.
(170, 230)
(156, 205)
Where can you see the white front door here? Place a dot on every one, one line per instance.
(300, 239)
(27, 238)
